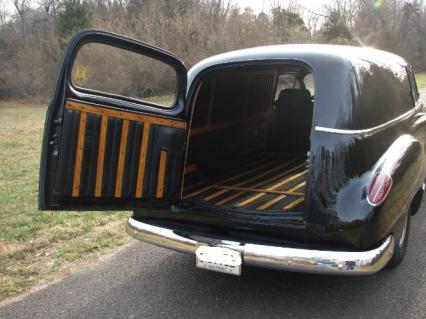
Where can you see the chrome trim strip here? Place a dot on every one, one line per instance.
(283, 258)
(372, 130)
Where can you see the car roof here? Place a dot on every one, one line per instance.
(310, 54)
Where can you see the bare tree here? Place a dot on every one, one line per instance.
(21, 7)
(49, 6)
(3, 12)
(348, 11)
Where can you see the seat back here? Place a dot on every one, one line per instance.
(292, 120)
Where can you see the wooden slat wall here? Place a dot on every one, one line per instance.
(79, 154)
(127, 117)
(122, 154)
(142, 159)
(161, 174)
(101, 156)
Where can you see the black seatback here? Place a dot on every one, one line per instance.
(292, 120)
(294, 98)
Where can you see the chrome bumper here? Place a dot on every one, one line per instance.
(291, 259)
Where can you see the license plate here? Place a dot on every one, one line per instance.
(219, 259)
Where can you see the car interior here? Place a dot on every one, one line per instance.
(249, 139)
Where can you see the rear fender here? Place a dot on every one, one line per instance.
(337, 207)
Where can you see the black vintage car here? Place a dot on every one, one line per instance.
(298, 157)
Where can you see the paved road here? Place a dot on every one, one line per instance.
(142, 281)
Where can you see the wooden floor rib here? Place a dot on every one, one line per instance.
(230, 179)
(273, 187)
(256, 177)
(261, 183)
(295, 203)
(281, 197)
(276, 185)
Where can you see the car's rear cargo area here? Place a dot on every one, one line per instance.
(271, 181)
(249, 140)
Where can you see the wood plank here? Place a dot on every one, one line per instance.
(223, 125)
(273, 187)
(264, 182)
(273, 169)
(142, 160)
(206, 188)
(271, 202)
(101, 156)
(190, 168)
(121, 158)
(79, 154)
(259, 190)
(125, 115)
(295, 203)
(161, 174)
(278, 198)
(188, 188)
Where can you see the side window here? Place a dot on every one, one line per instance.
(123, 73)
(414, 89)
(286, 81)
(383, 95)
(406, 92)
(308, 81)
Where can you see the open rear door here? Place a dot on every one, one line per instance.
(115, 129)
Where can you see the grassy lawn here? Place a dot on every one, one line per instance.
(421, 80)
(37, 246)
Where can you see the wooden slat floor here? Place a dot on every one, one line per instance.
(272, 182)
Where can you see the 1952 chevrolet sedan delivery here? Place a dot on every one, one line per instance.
(306, 158)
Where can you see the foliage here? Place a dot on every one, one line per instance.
(421, 80)
(75, 15)
(195, 29)
(335, 28)
(286, 23)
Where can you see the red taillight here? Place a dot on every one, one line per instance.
(379, 188)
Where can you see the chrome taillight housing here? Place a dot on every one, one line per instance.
(379, 188)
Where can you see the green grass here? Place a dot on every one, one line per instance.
(421, 80)
(37, 246)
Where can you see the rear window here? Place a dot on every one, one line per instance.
(308, 81)
(382, 95)
(286, 81)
